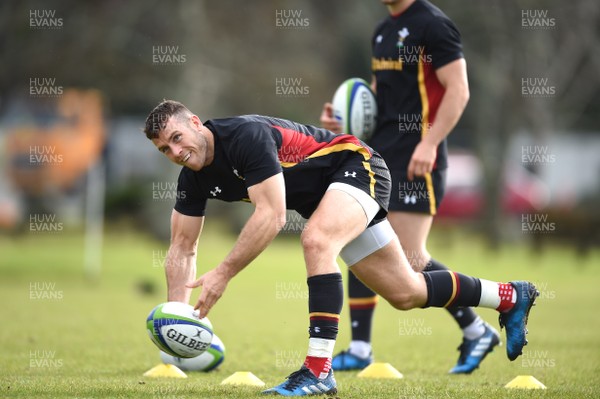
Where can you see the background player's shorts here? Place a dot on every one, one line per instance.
(422, 195)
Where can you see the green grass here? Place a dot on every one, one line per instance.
(88, 340)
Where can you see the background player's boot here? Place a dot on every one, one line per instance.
(303, 383)
(346, 361)
(515, 320)
(473, 351)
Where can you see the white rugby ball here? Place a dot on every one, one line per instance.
(176, 329)
(207, 361)
(355, 108)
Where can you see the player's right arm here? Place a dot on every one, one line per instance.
(328, 121)
(180, 265)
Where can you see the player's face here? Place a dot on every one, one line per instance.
(183, 143)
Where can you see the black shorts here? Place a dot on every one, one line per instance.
(368, 174)
(422, 195)
(372, 177)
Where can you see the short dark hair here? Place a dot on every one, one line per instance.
(158, 118)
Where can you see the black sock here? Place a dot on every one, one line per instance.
(362, 303)
(446, 288)
(463, 316)
(325, 300)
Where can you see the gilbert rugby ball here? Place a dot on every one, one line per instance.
(355, 108)
(176, 329)
(207, 361)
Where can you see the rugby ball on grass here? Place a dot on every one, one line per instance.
(176, 329)
(209, 360)
(355, 108)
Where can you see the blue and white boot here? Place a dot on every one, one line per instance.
(473, 351)
(515, 320)
(303, 383)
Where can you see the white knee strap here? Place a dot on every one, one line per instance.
(369, 241)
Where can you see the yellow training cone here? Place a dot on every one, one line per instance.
(525, 382)
(243, 378)
(165, 371)
(380, 370)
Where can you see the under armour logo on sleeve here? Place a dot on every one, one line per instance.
(348, 174)
(216, 191)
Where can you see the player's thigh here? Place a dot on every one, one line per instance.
(412, 229)
(412, 206)
(388, 273)
(338, 219)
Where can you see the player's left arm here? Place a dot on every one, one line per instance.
(453, 77)
(261, 228)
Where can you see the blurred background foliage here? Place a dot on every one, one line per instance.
(234, 54)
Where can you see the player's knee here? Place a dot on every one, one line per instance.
(313, 241)
(402, 300)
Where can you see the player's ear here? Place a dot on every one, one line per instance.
(196, 121)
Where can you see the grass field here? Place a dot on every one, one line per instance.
(65, 336)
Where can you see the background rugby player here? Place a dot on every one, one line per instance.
(420, 81)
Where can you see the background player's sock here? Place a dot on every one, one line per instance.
(474, 330)
(362, 302)
(361, 349)
(325, 298)
(464, 316)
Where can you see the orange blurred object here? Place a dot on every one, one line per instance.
(55, 158)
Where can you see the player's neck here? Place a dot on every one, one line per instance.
(210, 144)
(399, 7)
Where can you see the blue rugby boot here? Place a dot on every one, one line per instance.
(473, 351)
(515, 320)
(346, 361)
(303, 383)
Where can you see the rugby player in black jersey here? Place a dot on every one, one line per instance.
(420, 81)
(342, 186)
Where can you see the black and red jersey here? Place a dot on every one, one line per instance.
(252, 148)
(406, 51)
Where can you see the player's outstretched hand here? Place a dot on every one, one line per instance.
(213, 285)
(328, 121)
